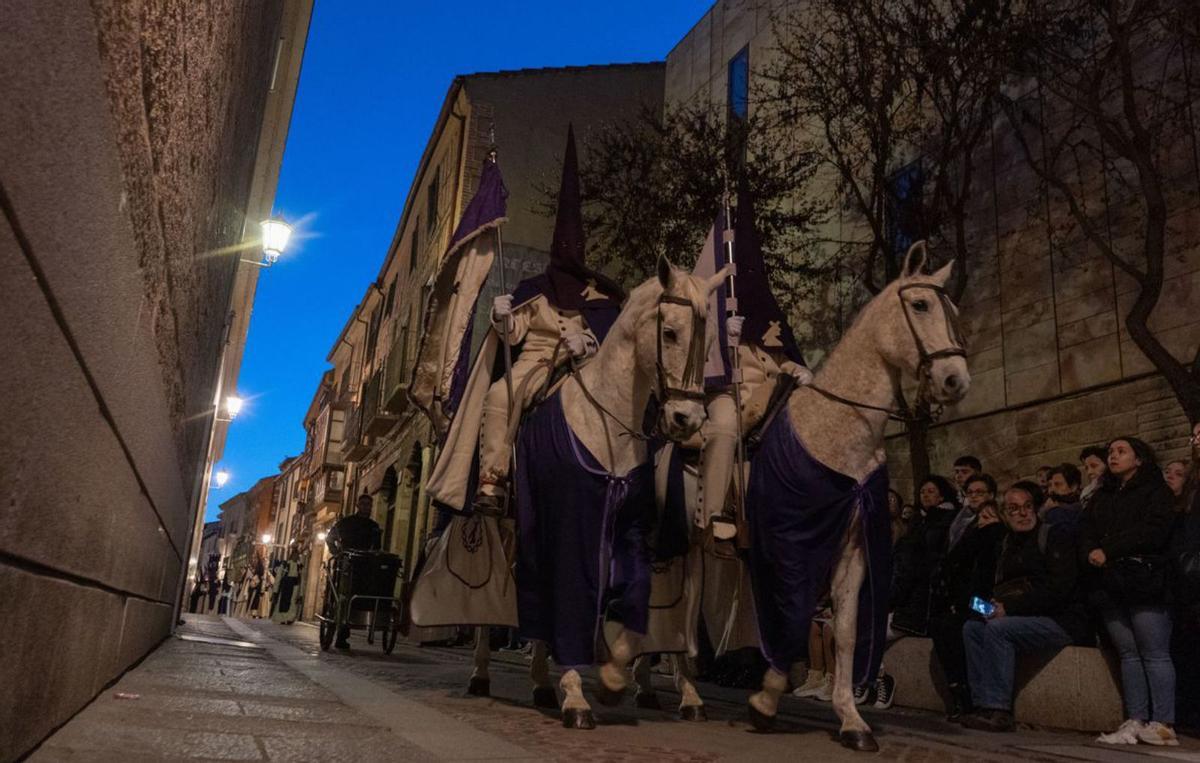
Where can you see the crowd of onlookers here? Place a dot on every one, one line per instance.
(1106, 552)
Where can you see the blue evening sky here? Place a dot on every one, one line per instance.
(373, 81)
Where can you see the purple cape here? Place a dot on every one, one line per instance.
(582, 554)
(799, 510)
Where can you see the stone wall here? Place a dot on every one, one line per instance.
(130, 131)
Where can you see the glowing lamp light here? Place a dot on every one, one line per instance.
(233, 406)
(275, 235)
(321, 537)
(266, 538)
(221, 478)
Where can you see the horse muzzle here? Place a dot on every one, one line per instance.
(680, 419)
(949, 380)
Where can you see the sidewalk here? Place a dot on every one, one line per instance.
(226, 689)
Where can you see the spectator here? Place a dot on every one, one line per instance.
(1043, 478)
(1036, 607)
(965, 467)
(1185, 545)
(1175, 474)
(1123, 536)
(1062, 505)
(919, 554)
(1094, 462)
(968, 570)
(896, 513)
(977, 490)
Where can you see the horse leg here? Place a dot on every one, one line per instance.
(539, 673)
(576, 712)
(614, 674)
(480, 684)
(764, 704)
(691, 707)
(644, 697)
(847, 580)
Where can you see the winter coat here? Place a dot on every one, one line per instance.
(970, 567)
(1133, 519)
(1037, 574)
(916, 559)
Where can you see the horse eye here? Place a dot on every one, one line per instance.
(669, 334)
(921, 306)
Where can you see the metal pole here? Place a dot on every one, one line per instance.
(508, 383)
(734, 363)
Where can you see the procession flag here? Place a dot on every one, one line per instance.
(440, 371)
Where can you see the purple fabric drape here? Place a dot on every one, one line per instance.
(583, 553)
(799, 510)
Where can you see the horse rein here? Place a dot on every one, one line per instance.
(905, 414)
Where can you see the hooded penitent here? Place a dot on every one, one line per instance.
(568, 283)
(441, 367)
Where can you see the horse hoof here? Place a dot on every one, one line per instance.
(544, 697)
(606, 696)
(647, 700)
(693, 713)
(479, 687)
(859, 741)
(578, 719)
(759, 720)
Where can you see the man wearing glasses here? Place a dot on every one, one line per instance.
(1033, 608)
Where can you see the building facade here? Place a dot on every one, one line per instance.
(1053, 366)
(139, 142)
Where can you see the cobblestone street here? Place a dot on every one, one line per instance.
(225, 689)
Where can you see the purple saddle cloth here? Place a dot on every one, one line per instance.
(799, 510)
(582, 551)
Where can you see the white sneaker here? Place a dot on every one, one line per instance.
(811, 686)
(826, 692)
(1126, 734)
(1158, 734)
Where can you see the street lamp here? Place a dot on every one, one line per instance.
(266, 539)
(321, 537)
(220, 478)
(233, 407)
(275, 236)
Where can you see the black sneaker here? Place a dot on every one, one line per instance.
(987, 719)
(864, 694)
(885, 692)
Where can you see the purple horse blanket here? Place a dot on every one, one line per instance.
(799, 510)
(582, 550)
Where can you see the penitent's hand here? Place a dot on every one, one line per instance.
(798, 372)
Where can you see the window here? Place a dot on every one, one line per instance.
(905, 218)
(337, 426)
(391, 299)
(738, 95)
(416, 234)
(431, 199)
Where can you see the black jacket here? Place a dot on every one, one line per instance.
(969, 568)
(356, 533)
(917, 559)
(1133, 519)
(1033, 582)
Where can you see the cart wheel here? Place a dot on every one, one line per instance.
(391, 632)
(328, 631)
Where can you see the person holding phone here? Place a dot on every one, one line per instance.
(1033, 607)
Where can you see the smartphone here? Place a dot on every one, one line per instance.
(985, 608)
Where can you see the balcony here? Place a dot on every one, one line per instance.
(396, 374)
(377, 420)
(354, 441)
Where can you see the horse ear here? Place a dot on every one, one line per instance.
(715, 280)
(666, 272)
(914, 260)
(942, 274)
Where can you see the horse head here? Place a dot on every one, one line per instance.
(916, 329)
(671, 344)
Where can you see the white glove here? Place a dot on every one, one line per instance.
(733, 326)
(501, 308)
(577, 344)
(798, 372)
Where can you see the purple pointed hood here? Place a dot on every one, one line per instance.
(766, 324)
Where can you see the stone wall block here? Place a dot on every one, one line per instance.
(1028, 346)
(1089, 363)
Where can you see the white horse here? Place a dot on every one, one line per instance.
(657, 345)
(909, 329)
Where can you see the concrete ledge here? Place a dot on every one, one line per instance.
(1079, 688)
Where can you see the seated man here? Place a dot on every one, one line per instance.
(1035, 607)
(356, 532)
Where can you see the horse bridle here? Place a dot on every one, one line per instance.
(957, 348)
(692, 378)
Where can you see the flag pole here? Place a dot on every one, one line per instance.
(504, 332)
(735, 366)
